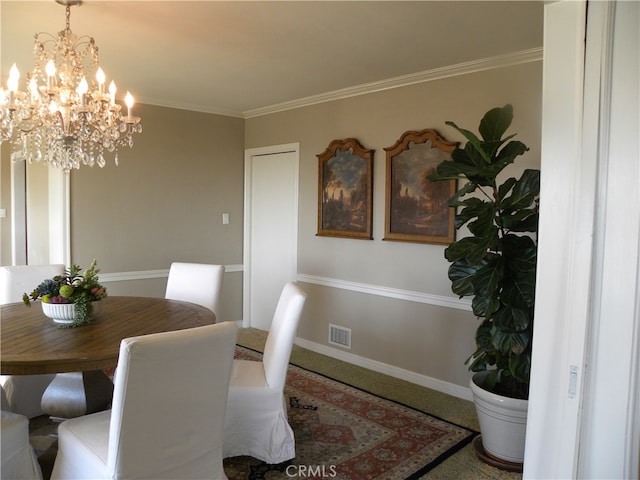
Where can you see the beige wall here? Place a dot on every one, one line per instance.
(163, 203)
(429, 340)
(165, 200)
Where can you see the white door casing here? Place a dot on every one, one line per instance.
(270, 229)
(584, 400)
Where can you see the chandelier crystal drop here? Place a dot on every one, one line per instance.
(67, 117)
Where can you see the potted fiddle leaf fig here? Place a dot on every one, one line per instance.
(495, 261)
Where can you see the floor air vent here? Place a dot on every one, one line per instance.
(340, 336)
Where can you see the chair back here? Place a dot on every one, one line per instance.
(19, 279)
(277, 349)
(169, 402)
(196, 283)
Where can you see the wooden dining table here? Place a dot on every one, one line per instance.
(32, 343)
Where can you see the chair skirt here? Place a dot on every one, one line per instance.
(18, 458)
(256, 419)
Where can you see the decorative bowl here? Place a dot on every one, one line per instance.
(63, 313)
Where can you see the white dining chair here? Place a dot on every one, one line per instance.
(24, 392)
(167, 417)
(198, 283)
(17, 458)
(256, 422)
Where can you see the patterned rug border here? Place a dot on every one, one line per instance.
(431, 465)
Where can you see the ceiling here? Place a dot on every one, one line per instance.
(242, 57)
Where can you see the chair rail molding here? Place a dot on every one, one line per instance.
(389, 292)
(149, 274)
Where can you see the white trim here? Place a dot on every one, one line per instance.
(59, 216)
(150, 274)
(515, 58)
(562, 299)
(248, 188)
(386, 369)
(388, 292)
(407, 295)
(189, 107)
(608, 446)
(525, 56)
(18, 213)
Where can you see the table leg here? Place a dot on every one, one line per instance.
(75, 394)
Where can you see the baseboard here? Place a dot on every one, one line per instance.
(396, 372)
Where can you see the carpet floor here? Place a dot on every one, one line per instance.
(456, 460)
(346, 433)
(463, 465)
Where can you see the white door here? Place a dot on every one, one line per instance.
(270, 230)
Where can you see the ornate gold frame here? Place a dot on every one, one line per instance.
(345, 171)
(423, 217)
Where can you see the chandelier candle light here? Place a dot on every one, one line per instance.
(63, 120)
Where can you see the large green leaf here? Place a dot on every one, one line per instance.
(495, 123)
(519, 291)
(449, 170)
(462, 191)
(521, 252)
(461, 274)
(484, 335)
(520, 367)
(510, 342)
(512, 319)
(508, 153)
(483, 306)
(472, 140)
(470, 249)
(505, 188)
(524, 192)
(488, 276)
(525, 220)
(481, 212)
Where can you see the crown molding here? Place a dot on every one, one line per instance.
(188, 106)
(516, 58)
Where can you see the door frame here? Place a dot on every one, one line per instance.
(249, 154)
(59, 207)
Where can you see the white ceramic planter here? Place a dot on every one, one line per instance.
(63, 313)
(503, 423)
(59, 312)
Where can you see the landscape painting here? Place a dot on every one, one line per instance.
(345, 190)
(416, 208)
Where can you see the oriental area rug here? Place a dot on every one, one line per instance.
(341, 433)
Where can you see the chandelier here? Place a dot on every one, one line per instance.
(67, 117)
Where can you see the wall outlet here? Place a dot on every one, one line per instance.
(225, 219)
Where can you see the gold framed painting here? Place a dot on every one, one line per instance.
(345, 190)
(416, 209)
